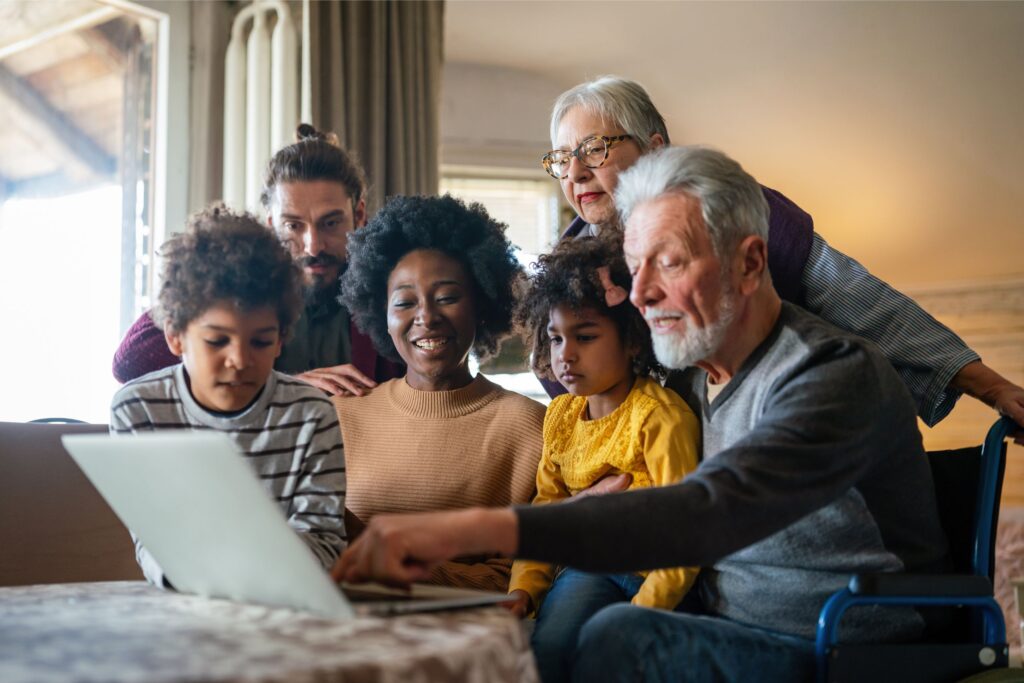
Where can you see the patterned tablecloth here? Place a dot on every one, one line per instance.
(130, 631)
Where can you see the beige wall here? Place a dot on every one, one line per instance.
(990, 317)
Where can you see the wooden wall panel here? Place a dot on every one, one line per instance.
(990, 318)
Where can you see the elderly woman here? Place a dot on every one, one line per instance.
(600, 128)
(431, 280)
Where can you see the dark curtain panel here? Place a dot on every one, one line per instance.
(376, 71)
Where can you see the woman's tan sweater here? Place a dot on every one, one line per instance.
(415, 451)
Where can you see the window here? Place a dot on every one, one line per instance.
(76, 200)
(529, 206)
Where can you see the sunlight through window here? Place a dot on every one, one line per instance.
(60, 274)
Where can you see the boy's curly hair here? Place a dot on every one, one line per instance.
(465, 233)
(568, 277)
(227, 256)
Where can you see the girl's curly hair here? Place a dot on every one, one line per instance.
(227, 256)
(465, 233)
(568, 277)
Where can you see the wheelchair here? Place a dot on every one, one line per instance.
(967, 480)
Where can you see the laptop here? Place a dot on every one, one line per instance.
(206, 519)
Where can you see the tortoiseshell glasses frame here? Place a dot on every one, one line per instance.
(592, 153)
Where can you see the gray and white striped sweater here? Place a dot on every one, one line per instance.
(289, 436)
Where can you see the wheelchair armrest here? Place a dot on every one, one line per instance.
(918, 590)
(923, 585)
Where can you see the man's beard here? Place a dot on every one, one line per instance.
(319, 289)
(678, 350)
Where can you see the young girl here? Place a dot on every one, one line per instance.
(616, 419)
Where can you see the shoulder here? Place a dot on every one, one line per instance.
(510, 400)
(144, 326)
(563, 404)
(285, 384)
(150, 400)
(688, 385)
(156, 384)
(785, 214)
(561, 416)
(507, 410)
(649, 392)
(372, 406)
(801, 334)
(655, 404)
(293, 396)
(375, 396)
(575, 228)
(806, 348)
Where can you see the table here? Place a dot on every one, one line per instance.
(130, 631)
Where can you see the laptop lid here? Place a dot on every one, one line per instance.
(203, 515)
(215, 531)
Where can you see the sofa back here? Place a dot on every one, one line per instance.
(54, 526)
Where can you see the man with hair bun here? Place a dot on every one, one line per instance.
(314, 196)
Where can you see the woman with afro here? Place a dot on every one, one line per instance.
(431, 280)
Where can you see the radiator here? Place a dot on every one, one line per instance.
(261, 95)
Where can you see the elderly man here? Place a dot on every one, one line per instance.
(813, 466)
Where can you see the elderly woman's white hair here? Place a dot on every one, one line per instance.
(732, 202)
(618, 101)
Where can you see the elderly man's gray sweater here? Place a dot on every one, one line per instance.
(813, 470)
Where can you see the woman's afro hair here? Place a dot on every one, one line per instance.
(227, 256)
(568, 276)
(446, 224)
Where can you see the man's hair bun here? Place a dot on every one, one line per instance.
(306, 132)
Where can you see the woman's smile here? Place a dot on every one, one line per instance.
(432, 319)
(431, 343)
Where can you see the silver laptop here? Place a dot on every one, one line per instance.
(203, 515)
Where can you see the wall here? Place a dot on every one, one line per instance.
(989, 316)
(495, 116)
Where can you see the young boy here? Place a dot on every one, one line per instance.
(231, 294)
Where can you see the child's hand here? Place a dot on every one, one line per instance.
(612, 483)
(518, 603)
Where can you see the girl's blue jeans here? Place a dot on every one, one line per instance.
(586, 632)
(574, 598)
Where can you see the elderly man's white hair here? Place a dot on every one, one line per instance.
(619, 101)
(732, 203)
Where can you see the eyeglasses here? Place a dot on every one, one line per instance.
(592, 153)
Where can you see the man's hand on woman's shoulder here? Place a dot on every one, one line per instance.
(339, 380)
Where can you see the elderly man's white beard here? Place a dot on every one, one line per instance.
(678, 350)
